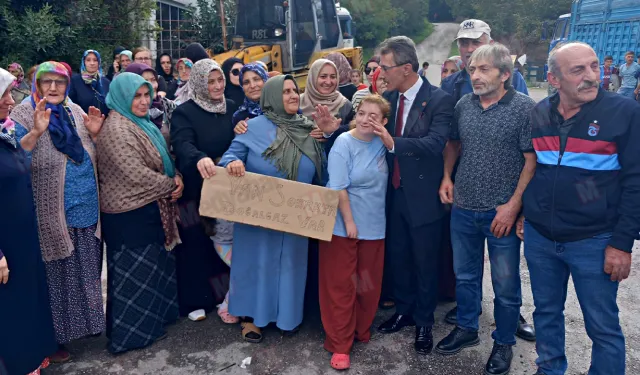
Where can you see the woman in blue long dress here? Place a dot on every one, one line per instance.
(26, 326)
(270, 267)
(57, 136)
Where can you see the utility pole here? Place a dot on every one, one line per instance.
(223, 22)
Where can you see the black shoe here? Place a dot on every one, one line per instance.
(396, 323)
(457, 340)
(499, 362)
(525, 330)
(452, 316)
(424, 340)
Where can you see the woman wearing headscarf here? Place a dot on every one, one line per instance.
(161, 107)
(115, 66)
(450, 66)
(345, 86)
(57, 136)
(25, 317)
(90, 87)
(270, 267)
(140, 186)
(183, 66)
(252, 77)
(20, 88)
(378, 86)
(201, 131)
(126, 58)
(231, 68)
(196, 52)
(164, 66)
(322, 89)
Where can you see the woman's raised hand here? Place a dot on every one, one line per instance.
(41, 117)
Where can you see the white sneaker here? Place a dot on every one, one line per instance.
(197, 315)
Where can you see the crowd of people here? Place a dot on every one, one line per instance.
(97, 165)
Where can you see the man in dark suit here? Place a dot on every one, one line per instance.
(415, 137)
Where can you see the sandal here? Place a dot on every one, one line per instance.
(227, 318)
(290, 333)
(251, 333)
(61, 356)
(340, 361)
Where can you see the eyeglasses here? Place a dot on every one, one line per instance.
(49, 82)
(235, 72)
(387, 68)
(368, 70)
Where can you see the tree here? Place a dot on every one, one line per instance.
(374, 19)
(517, 23)
(35, 31)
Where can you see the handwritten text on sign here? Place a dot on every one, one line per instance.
(269, 202)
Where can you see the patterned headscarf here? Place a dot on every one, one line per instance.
(198, 86)
(61, 126)
(93, 79)
(20, 77)
(253, 108)
(312, 97)
(189, 64)
(120, 97)
(343, 66)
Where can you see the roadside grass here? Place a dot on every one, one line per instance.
(454, 49)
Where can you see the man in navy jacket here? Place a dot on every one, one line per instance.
(415, 137)
(582, 208)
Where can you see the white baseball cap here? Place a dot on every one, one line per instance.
(473, 29)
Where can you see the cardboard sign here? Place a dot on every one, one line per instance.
(270, 202)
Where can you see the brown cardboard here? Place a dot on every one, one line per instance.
(270, 202)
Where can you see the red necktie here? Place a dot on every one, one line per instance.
(395, 179)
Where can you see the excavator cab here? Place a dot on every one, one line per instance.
(288, 35)
(299, 27)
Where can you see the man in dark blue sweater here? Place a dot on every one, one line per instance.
(582, 208)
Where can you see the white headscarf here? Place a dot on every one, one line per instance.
(6, 80)
(6, 125)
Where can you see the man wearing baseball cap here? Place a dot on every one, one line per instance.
(473, 34)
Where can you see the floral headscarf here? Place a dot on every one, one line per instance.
(198, 86)
(20, 77)
(253, 108)
(343, 66)
(189, 64)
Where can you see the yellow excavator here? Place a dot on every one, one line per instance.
(290, 35)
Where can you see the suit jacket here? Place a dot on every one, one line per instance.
(419, 151)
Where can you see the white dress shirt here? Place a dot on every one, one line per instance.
(409, 98)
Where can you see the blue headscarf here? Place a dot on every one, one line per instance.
(251, 107)
(120, 97)
(61, 125)
(93, 79)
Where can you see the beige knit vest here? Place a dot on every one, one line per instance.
(48, 169)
